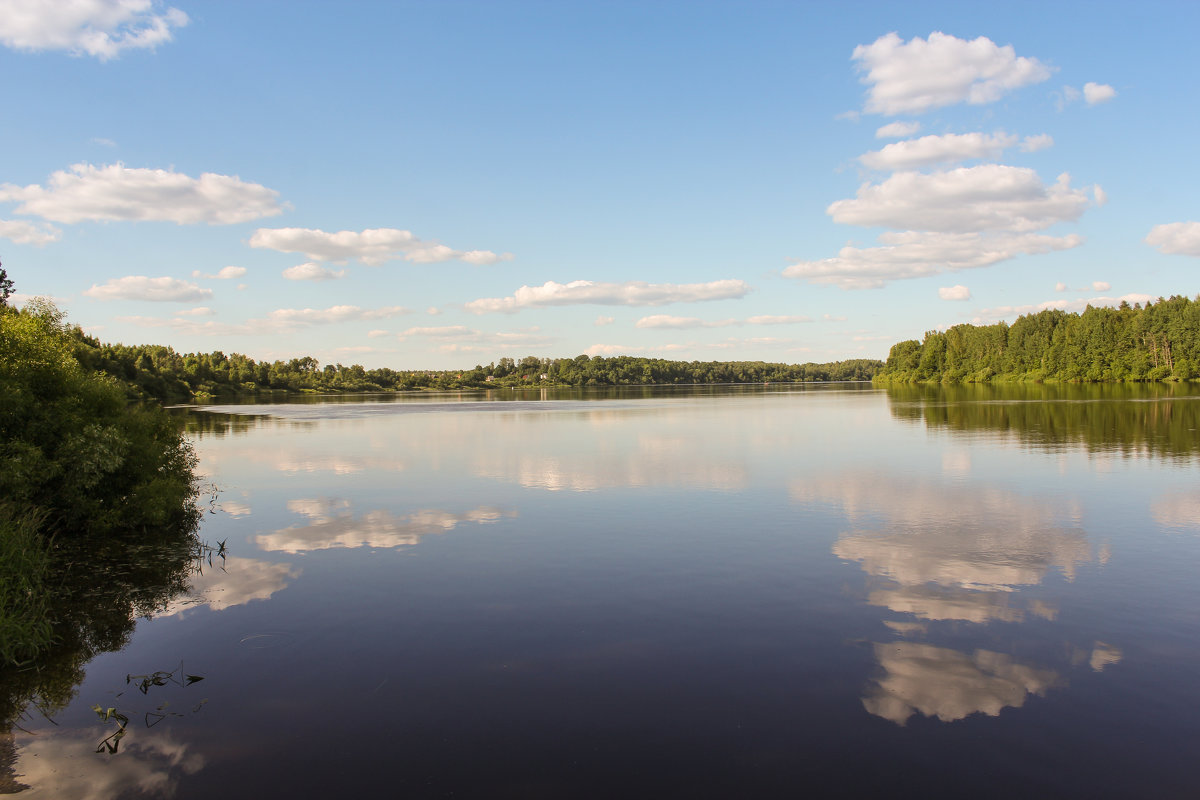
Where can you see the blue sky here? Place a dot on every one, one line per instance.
(440, 184)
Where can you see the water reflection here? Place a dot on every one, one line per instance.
(944, 683)
(942, 552)
(65, 764)
(1179, 510)
(1131, 420)
(332, 524)
(233, 582)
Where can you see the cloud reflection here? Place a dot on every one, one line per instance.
(944, 683)
(235, 582)
(66, 764)
(949, 552)
(332, 525)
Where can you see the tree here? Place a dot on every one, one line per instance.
(6, 286)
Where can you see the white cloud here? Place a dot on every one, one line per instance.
(984, 197)
(1094, 93)
(100, 28)
(313, 316)
(200, 311)
(1068, 95)
(929, 150)
(670, 322)
(667, 321)
(282, 320)
(1101, 286)
(897, 130)
(958, 292)
(631, 293)
(312, 272)
(769, 319)
(223, 274)
(23, 232)
(915, 254)
(1031, 144)
(920, 75)
(832, 318)
(1099, 194)
(140, 287)
(375, 334)
(603, 320)
(117, 192)
(1060, 287)
(1177, 238)
(988, 315)
(445, 331)
(372, 246)
(433, 311)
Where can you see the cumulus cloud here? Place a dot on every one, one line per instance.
(199, 311)
(958, 292)
(1094, 93)
(22, 232)
(919, 75)
(1101, 286)
(603, 320)
(312, 272)
(897, 130)
(916, 254)
(984, 197)
(1060, 287)
(1031, 144)
(223, 274)
(116, 192)
(140, 287)
(631, 293)
(372, 246)
(929, 150)
(1177, 238)
(100, 28)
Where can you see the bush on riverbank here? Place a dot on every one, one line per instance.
(77, 460)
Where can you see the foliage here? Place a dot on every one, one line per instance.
(72, 447)
(155, 371)
(25, 628)
(80, 466)
(1160, 341)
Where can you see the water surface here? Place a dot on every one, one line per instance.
(692, 592)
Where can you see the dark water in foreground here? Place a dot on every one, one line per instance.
(750, 592)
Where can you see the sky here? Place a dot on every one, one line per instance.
(434, 185)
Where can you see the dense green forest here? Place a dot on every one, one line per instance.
(159, 372)
(1155, 342)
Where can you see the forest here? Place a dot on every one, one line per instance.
(161, 373)
(1158, 341)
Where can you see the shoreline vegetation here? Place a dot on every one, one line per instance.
(83, 471)
(1159, 341)
(160, 373)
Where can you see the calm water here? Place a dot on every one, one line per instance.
(752, 592)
